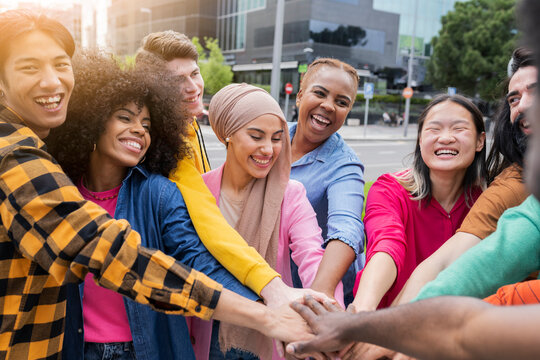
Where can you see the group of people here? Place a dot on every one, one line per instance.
(120, 242)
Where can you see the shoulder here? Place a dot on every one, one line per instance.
(294, 188)
(388, 185)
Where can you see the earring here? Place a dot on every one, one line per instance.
(94, 148)
(1, 93)
(142, 160)
(227, 139)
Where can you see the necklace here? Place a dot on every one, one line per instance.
(100, 198)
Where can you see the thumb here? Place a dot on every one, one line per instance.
(295, 348)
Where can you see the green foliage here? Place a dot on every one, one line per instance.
(215, 73)
(393, 99)
(474, 46)
(263, 86)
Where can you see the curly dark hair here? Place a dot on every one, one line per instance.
(101, 86)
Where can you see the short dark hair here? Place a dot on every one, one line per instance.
(504, 150)
(417, 181)
(100, 88)
(335, 63)
(14, 23)
(166, 45)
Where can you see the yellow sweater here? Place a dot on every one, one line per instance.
(223, 242)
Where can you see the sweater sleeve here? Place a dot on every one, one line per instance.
(385, 221)
(223, 242)
(507, 256)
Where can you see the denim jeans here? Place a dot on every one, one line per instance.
(232, 354)
(109, 351)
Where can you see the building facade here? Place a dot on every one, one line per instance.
(131, 20)
(350, 30)
(428, 24)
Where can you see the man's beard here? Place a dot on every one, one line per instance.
(519, 138)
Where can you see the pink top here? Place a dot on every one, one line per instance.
(104, 313)
(396, 225)
(299, 232)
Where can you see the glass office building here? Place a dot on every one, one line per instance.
(428, 21)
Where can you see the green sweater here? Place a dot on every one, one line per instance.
(505, 257)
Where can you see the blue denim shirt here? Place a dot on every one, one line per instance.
(334, 181)
(154, 207)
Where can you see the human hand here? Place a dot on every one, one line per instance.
(400, 356)
(367, 351)
(276, 293)
(327, 321)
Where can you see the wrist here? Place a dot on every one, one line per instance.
(273, 290)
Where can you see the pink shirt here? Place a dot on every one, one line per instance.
(298, 231)
(104, 313)
(396, 225)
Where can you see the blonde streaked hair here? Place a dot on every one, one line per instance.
(417, 181)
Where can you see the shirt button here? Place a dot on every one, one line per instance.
(198, 308)
(79, 331)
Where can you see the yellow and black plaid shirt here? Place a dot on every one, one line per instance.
(50, 236)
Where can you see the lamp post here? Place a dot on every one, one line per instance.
(149, 12)
(410, 71)
(276, 56)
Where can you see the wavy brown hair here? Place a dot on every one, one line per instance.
(100, 88)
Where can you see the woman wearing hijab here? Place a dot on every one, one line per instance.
(253, 190)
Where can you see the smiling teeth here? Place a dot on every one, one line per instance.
(133, 144)
(320, 119)
(446, 152)
(49, 100)
(262, 162)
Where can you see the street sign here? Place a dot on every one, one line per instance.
(288, 88)
(302, 68)
(369, 88)
(407, 93)
(452, 91)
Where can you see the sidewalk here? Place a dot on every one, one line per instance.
(356, 132)
(377, 132)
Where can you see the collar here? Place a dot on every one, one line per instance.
(141, 169)
(320, 153)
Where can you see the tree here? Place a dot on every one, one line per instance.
(474, 46)
(215, 73)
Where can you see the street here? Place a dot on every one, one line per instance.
(378, 157)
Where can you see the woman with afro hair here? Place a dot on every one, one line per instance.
(118, 144)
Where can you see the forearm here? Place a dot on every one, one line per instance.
(337, 258)
(377, 278)
(221, 240)
(428, 270)
(279, 323)
(450, 328)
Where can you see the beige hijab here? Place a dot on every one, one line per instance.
(232, 108)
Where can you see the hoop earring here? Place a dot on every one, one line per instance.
(142, 160)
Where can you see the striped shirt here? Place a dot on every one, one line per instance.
(49, 236)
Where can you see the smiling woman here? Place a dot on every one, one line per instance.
(118, 154)
(412, 213)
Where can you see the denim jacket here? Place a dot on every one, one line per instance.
(154, 207)
(334, 181)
